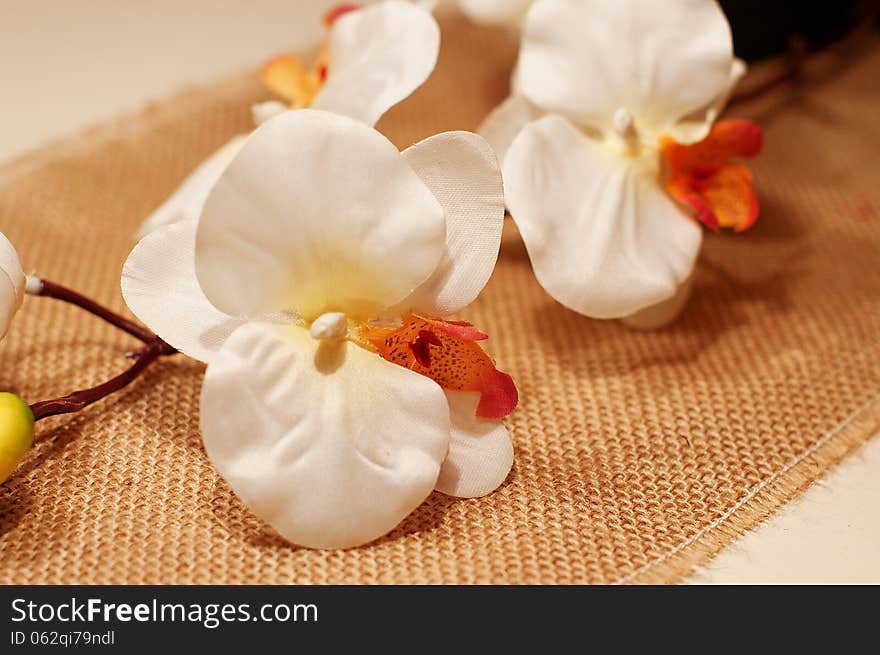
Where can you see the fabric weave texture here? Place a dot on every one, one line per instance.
(638, 454)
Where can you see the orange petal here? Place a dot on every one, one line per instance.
(287, 76)
(680, 188)
(335, 13)
(726, 139)
(448, 354)
(721, 194)
(737, 137)
(459, 329)
(731, 196)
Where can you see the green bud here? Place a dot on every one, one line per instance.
(16, 432)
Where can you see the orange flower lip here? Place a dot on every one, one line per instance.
(448, 353)
(421, 347)
(335, 13)
(289, 77)
(720, 193)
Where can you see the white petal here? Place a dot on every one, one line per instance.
(480, 451)
(462, 172)
(11, 283)
(11, 265)
(505, 121)
(159, 285)
(331, 445)
(660, 60)
(695, 127)
(604, 238)
(663, 313)
(738, 69)
(317, 213)
(9, 303)
(379, 55)
(494, 11)
(264, 111)
(186, 203)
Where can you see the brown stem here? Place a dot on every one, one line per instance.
(153, 349)
(85, 397)
(53, 290)
(799, 56)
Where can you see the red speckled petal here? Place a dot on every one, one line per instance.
(450, 356)
(458, 329)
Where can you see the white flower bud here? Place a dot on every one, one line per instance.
(12, 283)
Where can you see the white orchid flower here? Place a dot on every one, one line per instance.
(373, 58)
(332, 426)
(606, 93)
(12, 284)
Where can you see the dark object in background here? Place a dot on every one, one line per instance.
(763, 28)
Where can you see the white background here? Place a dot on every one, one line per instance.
(65, 65)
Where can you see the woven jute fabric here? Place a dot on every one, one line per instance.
(638, 454)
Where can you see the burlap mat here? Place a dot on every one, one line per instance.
(637, 455)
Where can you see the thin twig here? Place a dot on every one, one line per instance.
(791, 69)
(153, 349)
(53, 290)
(85, 397)
(794, 64)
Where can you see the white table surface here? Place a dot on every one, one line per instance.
(67, 65)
